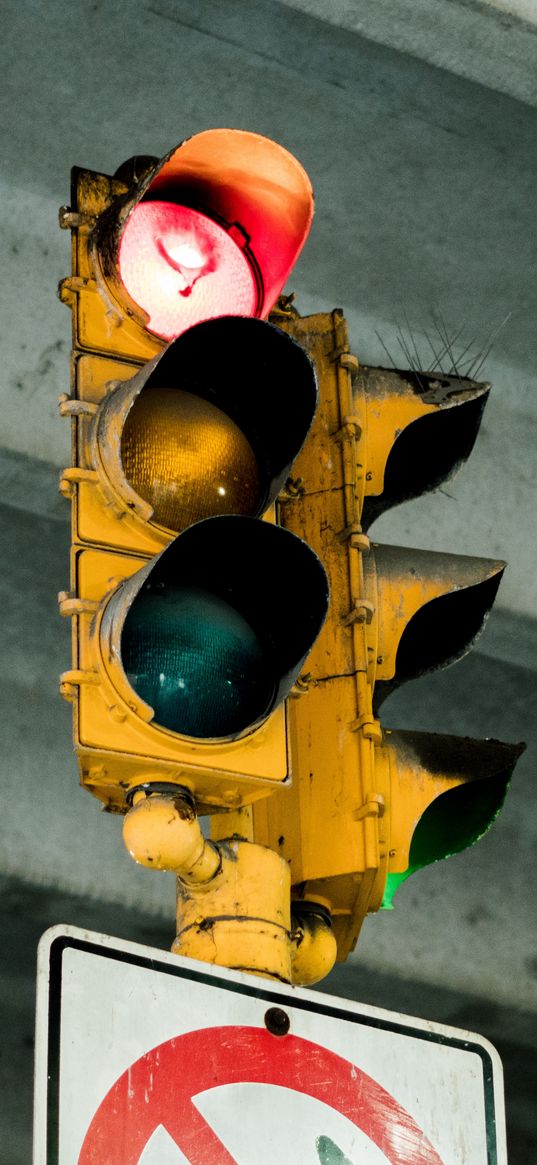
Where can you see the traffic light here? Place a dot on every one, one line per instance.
(187, 636)
(369, 806)
(220, 515)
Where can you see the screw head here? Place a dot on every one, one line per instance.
(277, 1021)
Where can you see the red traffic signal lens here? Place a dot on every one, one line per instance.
(182, 267)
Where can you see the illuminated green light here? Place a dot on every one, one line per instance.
(451, 823)
(196, 661)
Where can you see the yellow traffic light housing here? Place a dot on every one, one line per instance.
(183, 666)
(192, 619)
(193, 433)
(367, 807)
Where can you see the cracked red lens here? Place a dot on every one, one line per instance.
(181, 267)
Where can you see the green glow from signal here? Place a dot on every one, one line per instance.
(451, 823)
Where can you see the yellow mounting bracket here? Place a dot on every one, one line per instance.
(233, 897)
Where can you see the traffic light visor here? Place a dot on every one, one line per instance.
(212, 634)
(211, 426)
(419, 428)
(214, 227)
(433, 606)
(445, 794)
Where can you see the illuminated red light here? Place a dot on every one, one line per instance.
(181, 267)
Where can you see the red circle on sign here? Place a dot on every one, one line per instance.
(158, 1090)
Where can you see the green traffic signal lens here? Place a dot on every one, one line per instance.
(453, 822)
(196, 661)
(187, 458)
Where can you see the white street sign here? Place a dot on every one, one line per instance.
(143, 1058)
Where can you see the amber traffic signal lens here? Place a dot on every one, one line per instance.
(188, 459)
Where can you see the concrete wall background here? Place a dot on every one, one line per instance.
(425, 186)
(490, 41)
